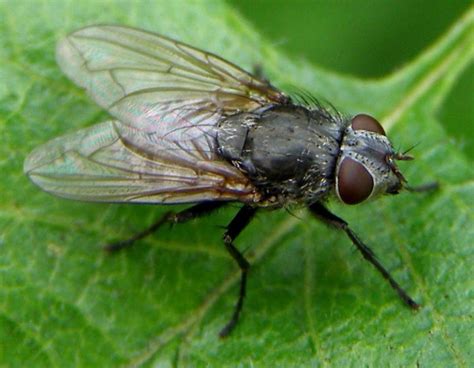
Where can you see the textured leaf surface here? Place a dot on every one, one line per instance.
(312, 300)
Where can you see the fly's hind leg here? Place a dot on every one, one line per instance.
(195, 211)
(260, 74)
(238, 223)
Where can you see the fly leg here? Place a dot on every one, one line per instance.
(428, 187)
(329, 218)
(195, 211)
(235, 227)
(259, 73)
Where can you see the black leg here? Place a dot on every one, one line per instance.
(238, 223)
(428, 187)
(259, 73)
(325, 215)
(169, 217)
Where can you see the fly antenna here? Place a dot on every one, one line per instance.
(411, 148)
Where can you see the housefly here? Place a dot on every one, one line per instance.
(190, 127)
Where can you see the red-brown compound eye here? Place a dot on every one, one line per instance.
(366, 122)
(354, 182)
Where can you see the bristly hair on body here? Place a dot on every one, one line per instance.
(318, 105)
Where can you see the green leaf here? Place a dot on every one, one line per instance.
(311, 301)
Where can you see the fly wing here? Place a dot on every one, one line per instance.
(113, 162)
(168, 98)
(159, 85)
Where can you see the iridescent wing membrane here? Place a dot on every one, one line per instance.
(167, 99)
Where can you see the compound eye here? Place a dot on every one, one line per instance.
(367, 122)
(354, 182)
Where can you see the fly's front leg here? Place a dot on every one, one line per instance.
(195, 211)
(428, 187)
(238, 223)
(329, 218)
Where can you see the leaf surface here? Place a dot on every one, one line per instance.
(312, 300)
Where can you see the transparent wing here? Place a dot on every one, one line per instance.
(159, 85)
(113, 162)
(167, 98)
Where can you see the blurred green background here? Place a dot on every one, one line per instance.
(368, 38)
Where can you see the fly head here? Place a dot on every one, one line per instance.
(366, 164)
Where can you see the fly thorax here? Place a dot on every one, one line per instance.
(283, 150)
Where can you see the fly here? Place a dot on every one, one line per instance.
(189, 127)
